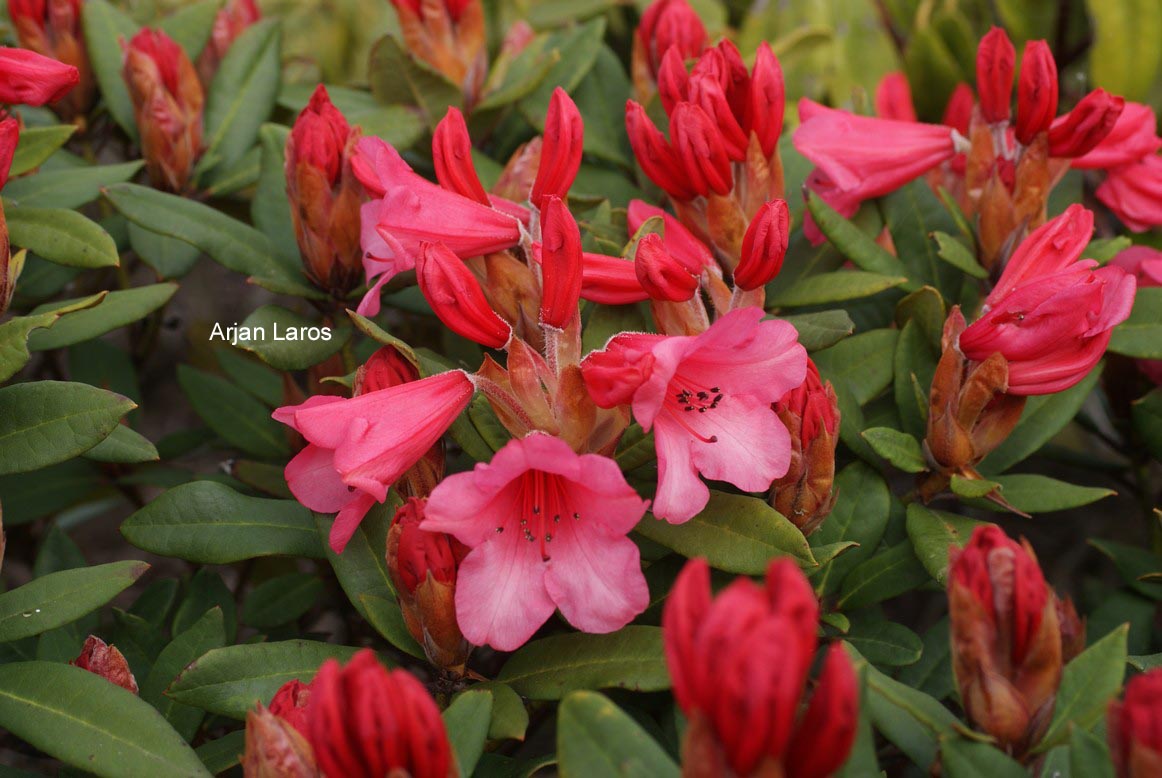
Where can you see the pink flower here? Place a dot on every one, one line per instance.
(894, 98)
(1144, 264)
(1134, 193)
(1133, 137)
(708, 399)
(1051, 314)
(33, 79)
(360, 446)
(547, 528)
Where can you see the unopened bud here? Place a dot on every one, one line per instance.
(456, 297)
(561, 264)
(995, 62)
(660, 273)
(764, 246)
(561, 152)
(810, 412)
(1082, 129)
(275, 748)
(1036, 91)
(100, 658)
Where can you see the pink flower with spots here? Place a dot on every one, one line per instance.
(708, 400)
(547, 528)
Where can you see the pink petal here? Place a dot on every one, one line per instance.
(501, 597)
(752, 449)
(681, 495)
(595, 577)
(313, 480)
(348, 520)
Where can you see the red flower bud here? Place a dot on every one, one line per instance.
(768, 98)
(740, 662)
(1134, 137)
(670, 25)
(610, 280)
(452, 155)
(275, 748)
(325, 195)
(167, 103)
(423, 568)
(1082, 129)
(561, 264)
(100, 658)
(290, 704)
(706, 92)
(1036, 91)
(1006, 641)
(450, 36)
(53, 28)
(660, 273)
(810, 412)
(1134, 727)
(658, 159)
(701, 150)
(764, 246)
(893, 98)
(456, 297)
(29, 78)
(995, 61)
(958, 112)
(673, 80)
(9, 138)
(366, 722)
(231, 21)
(561, 152)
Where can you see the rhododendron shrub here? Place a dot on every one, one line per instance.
(450, 388)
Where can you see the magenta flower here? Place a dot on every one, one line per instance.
(708, 400)
(1134, 193)
(360, 446)
(547, 528)
(1133, 137)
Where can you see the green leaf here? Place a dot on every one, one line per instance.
(963, 758)
(887, 574)
(207, 633)
(578, 47)
(61, 236)
(899, 448)
(595, 737)
(220, 755)
(229, 681)
(932, 532)
(205, 591)
(1133, 565)
(270, 209)
(833, 287)
(170, 257)
(37, 144)
(958, 255)
(14, 353)
(972, 487)
(236, 416)
(550, 668)
(85, 721)
(886, 643)
(1141, 335)
(735, 533)
(914, 365)
(243, 92)
(860, 515)
(105, 27)
(912, 213)
(190, 26)
(910, 719)
(466, 720)
(822, 329)
(1043, 418)
(386, 617)
(281, 600)
(45, 422)
(1088, 683)
(933, 673)
(271, 329)
(1041, 494)
(854, 243)
(116, 310)
(229, 242)
(253, 376)
(69, 188)
(1144, 663)
(1146, 413)
(210, 523)
(60, 598)
(859, 366)
(123, 446)
(1089, 757)
(510, 719)
(397, 77)
(1121, 59)
(600, 97)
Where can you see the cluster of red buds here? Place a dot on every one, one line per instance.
(740, 664)
(52, 28)
(357, 721)
(665, 24)
(1011, 636)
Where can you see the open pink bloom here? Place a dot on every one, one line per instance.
(29, 78)
(360, 446)
(406, 210)
(1051, 314)
(1134, 193)
(1133, 137)
(547, 528)
(708, 399)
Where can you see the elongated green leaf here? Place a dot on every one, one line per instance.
(833, 287)
(466, 720)
(1137, 566)
(820, 330)
(387, 618)
(281, 600)
(270, 209)
(899, 448)
(36, 144)
(854, 243)
(124, 446)
(600, 97)
(229, 681)
(550, 668)
(105, 27)
(210, 523)
(510, 719)
(958, 255)
(963, 758)
(83, 720)
(45, 422)
(116, 310)
(14, 353)
(290, 341)
(912, 213)
(859, 366)
(207, 633)
(1088, 683)
(243, 92)
(70, 188)
(191, 25)
(595, 737)
(229, 242)
(932, 532)
(397, 77)
(170, 257)
(60, 598)
(220, 755)
(1041, 494)
(1089, 756)
(860, 515)
(235, 415)
(889, 573)
(1141, 334)
(61, 236)
(886, 643)
(1146, 413)
(578, 48)
(735, 533)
